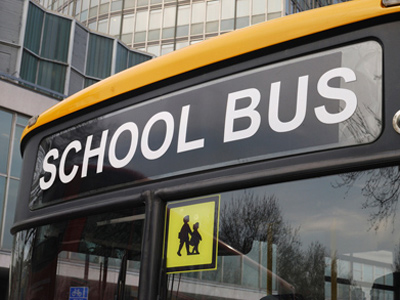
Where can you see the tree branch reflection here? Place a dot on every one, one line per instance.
(246, 220)
(381, 190)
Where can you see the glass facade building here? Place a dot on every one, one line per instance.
(58, 57)
(162, 26)
(58, 47)
(44, 57)
(11, 127)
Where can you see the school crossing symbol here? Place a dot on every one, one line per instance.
(191, 235)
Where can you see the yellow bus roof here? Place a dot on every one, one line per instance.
(217, 49)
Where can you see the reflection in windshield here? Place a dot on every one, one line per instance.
(332, 237)
(96, 256)
(381, 192)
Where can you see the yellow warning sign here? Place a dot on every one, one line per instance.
(191, 235)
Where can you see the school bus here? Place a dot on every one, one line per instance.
(261, 164)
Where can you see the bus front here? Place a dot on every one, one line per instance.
(262, 164)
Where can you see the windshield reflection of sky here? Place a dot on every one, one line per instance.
(332, 215)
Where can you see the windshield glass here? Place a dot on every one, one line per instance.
(334, 237)
(94, 257)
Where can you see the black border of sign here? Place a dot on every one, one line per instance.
(202, 267)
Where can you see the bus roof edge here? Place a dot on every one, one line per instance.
(235, 43)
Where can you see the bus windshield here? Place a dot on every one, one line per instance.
(332, 237)
(99, 253)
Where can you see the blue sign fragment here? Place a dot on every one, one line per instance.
(78, 293)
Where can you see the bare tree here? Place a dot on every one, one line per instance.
(250, 217)
(381, 189)
(246, 219)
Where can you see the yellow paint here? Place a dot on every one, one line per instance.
(202, 213)
(217, 49)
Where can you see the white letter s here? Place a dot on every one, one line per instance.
(50, 168)
(348, 96)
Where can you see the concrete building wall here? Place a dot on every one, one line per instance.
(10, 28)
(24, 101)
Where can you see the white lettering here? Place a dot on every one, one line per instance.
(120, 163)
(64, 177)
(99, 152)
(248, 112)
(349, 97)
(242, 121)
(301, 106)
(50, 168)
(182, 144)
(169, 123)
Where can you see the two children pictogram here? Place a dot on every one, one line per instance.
(195, 237)
(189, 248)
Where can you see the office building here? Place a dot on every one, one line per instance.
(59, 47)
(162, 26)
(44, 57)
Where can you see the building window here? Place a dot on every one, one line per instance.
(116, 5)
(78, 7)
(79, 48)
(56, 38)
(47, 72)
(242, 14)
(155, 25)
(227, 15)
(104, 8)
(45, 56)
(212, 16)
(198, 18)
(44, 47)
(93, 12)
(92, 26)
(29, 67)
(136, 58)
(129, 3)
(165, 49)
(11, 127)
(154, 50)
(128, 23)
(84, 16)
(5, 127)
(76, 82)
(142, 2)
(141, 26)
(121, 59)
(183, 21)
(90, 81)
(34, 25)
(115, 26)
(274, 9)
(103, 24)
(100, 49)
(169, 22)
(85, 4)
(258, 11)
